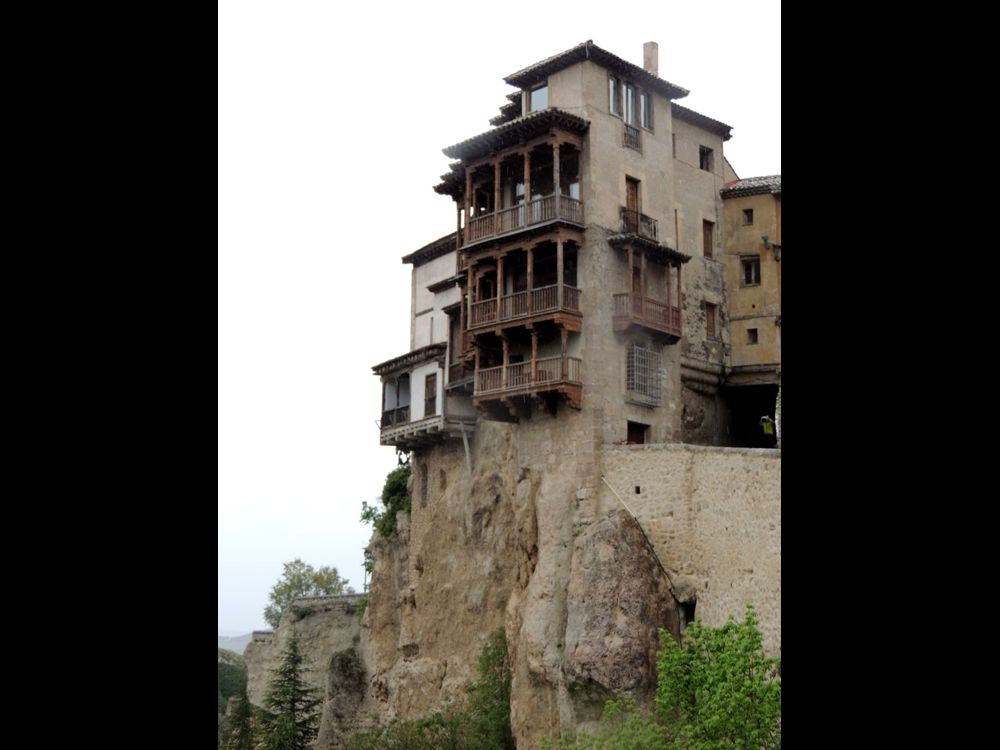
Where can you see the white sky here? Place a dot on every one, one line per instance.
(332, 117)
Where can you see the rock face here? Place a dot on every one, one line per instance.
(535, 540)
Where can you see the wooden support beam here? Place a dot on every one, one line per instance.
(499, 282)
(496, 186)
(559, 272)
(565, 342)
(506, 351)
(534, 353)
(555, 175)
(527, 184)
(531, 276)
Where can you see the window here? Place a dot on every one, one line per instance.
(673, 143)
(751, 271)
(614, 97)
(707, 238)
(636, 435)
(538, 98)
(642, 376)
(747, 217)
(705, 160)
(646, 110)
(430, 395)
(629, 95)
(710, 327)
(751, 335)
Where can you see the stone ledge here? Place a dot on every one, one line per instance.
(688, 448)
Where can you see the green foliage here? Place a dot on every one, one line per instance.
(484, 723)
(232, 681)
(362, 606)
(715, 691)
(291, 719)
(395, 497)
(300, 579)
(240, 724)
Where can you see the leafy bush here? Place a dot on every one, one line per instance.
(484, 723)
(301, 579)
(715, 691)
(395, 497)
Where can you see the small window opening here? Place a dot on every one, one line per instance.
(708, 237)
(637, 432)
(705, 160)
(751, 335)
(747, 216)
(538, 98)
(751, 271)
(710, 320)
(638, 489)
(673, 143)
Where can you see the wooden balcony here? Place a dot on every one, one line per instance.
(395, 416)
(523, 305)
(633, 222)
(510, 220)
(423, 432)
(634, 310)
(561, 374)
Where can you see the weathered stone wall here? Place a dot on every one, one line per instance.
(714, 518)
(325, 625)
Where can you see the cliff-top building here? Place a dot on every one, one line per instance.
(599, 265)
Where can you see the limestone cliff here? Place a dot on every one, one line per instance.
(533, 539)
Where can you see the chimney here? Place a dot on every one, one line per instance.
(651, 58)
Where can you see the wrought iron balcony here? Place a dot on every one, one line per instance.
(632, 137)
(634, 222)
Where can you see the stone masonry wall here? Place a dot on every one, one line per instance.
(713, 516)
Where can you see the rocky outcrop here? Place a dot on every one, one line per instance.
(534, 540)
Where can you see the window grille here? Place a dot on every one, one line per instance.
(642, 375)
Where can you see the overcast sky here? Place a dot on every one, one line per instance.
(332, 117)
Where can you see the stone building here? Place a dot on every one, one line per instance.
(590, 269)
(578, 403)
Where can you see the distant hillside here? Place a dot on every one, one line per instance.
(234, 643)
(232, 678)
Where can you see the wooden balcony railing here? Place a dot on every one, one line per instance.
(631, 308)
(634, 222)
(523, 304)
(511, 219)
(395, 416)
(521, 375)
(632, 137)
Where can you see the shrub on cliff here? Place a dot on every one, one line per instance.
(484, 723)
(395, 497)
(715, 691)
(300, 579)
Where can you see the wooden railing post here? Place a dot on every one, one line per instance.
(499, 314)
(470, 287)
(468, 202)
(503, 370)
(527, 188)
(496, 192)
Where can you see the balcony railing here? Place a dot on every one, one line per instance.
(395, 416)
(523, 304)
(632, 137)
(457, 372)
(519, 376)
(538, 211)
(634, 222)
(632, 308)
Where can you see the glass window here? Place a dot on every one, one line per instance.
(614, 105)
(646, 110)
(539, 98)
(747, 216)
(629, 91)
(751, 271)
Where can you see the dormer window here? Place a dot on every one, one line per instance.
(538, 98)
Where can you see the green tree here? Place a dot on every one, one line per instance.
(300, 579)
(395, 497)
(240, 734)
(715, 691)
(291, 720)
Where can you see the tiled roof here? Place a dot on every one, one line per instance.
(513, 131)
(432, 250)
(410, 358)
(752, 186)
(703, 121)
(590, 51)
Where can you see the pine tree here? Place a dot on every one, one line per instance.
(240, 725)
(292, 718)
